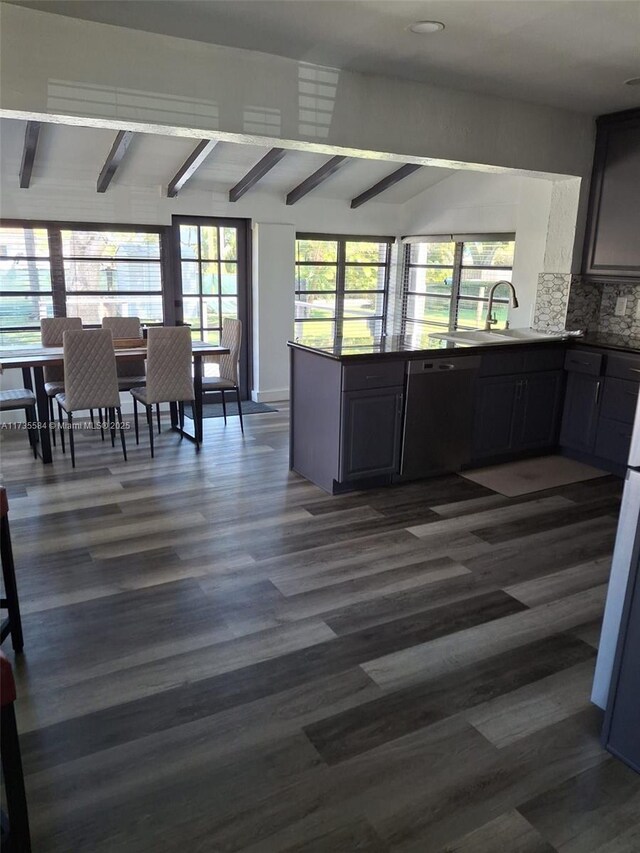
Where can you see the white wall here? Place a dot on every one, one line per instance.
(110, 76)
(272, 303)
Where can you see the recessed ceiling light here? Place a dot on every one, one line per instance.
(422, 27)
(632, 81)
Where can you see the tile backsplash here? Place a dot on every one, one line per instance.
(571, 302)
(552, 299)
(628, 326)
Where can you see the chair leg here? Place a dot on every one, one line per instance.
(14, 781)
(10, 585)
(71, 444)
(31, 417)
(52, 422)
(93, 423)
(101, 419)
(195, 423)
(61, 428)
(239, 409)
(224, 408)
(124, 446)
(158, 417)
(135, 419)
(150, 425)
(181, 418)
(112, 426)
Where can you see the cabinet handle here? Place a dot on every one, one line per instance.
(373, 376)
(399, 405)
(597, 400)
(518, 389)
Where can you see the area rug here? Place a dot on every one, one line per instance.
(533, 475)
(214, 410)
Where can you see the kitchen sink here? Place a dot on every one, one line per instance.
(482, 337)
(529, 335)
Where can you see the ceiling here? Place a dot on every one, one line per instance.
(69, 154)
(573, 54)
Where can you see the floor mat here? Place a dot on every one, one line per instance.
(533, 475)
(214, 410)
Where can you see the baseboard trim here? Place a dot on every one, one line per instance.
(270, 396)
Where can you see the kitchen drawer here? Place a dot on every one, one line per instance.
(536, 360)
(503, 363)
(522, 361)
(376, 374)
(624, 367)
(613, 440)
(581, 361)
(619, 399)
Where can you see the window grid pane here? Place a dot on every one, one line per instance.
(340, 289)
(447, 285)
(210, 279)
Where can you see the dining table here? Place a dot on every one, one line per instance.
(33, 359)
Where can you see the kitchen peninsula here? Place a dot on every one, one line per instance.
(390, 411)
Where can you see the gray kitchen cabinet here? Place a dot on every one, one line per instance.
(495, 412)
(517, 413)
(370, 432)
(580, 416)
(612, 247)
(599, 407)
(613, 440)
(538, 412)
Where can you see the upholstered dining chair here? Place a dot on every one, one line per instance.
(22, 398)
(169, 379)
(90, 381)
(51, 331)
(229, 379)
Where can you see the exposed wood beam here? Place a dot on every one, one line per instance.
(257, 173)
(31, 135)
(385, 183)
(316, 179)
(114, 159)
(190, 166)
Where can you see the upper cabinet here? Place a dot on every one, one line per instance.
(612, 247)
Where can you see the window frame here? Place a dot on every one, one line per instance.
(244, 277)
(341, 264)
(457, 269)
(57, 260)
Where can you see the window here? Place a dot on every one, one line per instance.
(112, 273)
(341, 288)
(212, 261)
(87, 271)
(447, 284)
(26, 293)
(209, 271)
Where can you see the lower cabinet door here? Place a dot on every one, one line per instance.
(494, 418)
(580, 416)
(539, 397)
(370, 434)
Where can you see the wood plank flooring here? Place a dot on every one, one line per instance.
(221, 657)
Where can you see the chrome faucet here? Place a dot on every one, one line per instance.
(491, 318)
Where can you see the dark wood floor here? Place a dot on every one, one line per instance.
(220, 657)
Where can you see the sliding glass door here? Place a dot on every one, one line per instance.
(212, 275)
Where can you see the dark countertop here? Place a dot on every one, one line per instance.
(394, 345)
(614, 342)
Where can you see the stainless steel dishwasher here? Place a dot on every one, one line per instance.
(438, 423)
